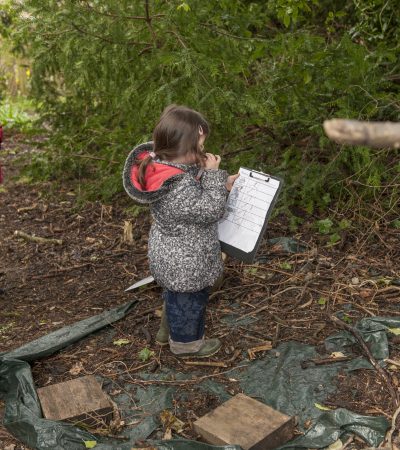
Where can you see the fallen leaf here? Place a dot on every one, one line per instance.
(120, 342)
(337, 355)
(115, 392)
(168, 434)
(365, 293)
(10, 447)
(336, 445)
(170, 421)
(307, 423)
(76, 369)
(395, 331)
(322, 407)
(90, 444)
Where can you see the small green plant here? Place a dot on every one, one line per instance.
(145, 354)
(396, 223)
(347, 319)
(324, 226)
(17, 114)
(136, 210)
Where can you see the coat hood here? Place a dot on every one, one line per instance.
(158, 177)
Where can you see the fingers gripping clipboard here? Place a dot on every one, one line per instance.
(247, 211)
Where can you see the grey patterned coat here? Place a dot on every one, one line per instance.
(184, 251)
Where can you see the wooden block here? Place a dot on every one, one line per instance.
(246, 422)
(79, 401)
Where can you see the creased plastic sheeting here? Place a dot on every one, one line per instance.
(173, 444)
(374, 332)
(51, 343)
(279, 381)
(23, 416)
(332, 425)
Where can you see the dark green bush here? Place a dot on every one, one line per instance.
(265, 74)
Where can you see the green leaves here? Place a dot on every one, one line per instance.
(265, 74)
(145, 354)
(183, 6)
(324, 226)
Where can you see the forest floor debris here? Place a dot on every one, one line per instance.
(283, 297)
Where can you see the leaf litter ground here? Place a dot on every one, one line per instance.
(282, 297)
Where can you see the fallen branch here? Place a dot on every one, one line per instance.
(393, 362)
(205, 363)
(320, 362)
(260, 348)
(372, 134)
(27, 208)
(383, 374)
(37, 239)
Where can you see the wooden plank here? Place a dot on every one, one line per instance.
(78, 400)
(246, 422)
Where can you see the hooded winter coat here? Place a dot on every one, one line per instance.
(183, 249)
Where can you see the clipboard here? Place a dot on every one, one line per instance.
(248, 209)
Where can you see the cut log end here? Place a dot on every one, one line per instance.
(370, 134)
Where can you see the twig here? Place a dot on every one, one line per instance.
(27, 208)
(389, 435)
(392, 361)
(276, 336)
(192, 381)
(205, 363)
(37, 239)
(59, 271)
(385, 377)
(323, 361)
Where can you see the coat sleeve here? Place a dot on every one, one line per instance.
(195, 201)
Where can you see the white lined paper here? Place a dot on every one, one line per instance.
(246, 209)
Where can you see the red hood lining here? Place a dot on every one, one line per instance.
(156, 174)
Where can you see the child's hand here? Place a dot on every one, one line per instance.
(231, 179)
(212, 161)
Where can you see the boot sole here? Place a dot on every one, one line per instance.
(162, 344)
(194, 355)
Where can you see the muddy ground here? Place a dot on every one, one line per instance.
(48, 285)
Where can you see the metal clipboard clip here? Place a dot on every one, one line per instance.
(257, 176)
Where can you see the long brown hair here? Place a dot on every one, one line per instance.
(176, 134)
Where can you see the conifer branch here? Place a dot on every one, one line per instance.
(105, 39)
(118, 16)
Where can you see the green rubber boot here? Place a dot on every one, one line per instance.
(163, 333)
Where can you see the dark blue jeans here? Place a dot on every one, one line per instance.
(186, 312)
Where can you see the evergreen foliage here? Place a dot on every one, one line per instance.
(265, 73)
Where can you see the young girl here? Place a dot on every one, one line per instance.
(187, 193)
